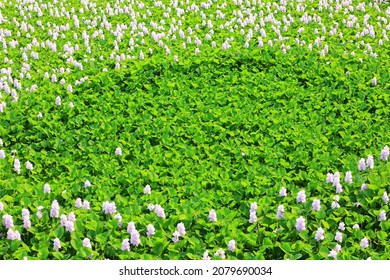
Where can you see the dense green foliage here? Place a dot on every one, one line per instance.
(217, 130)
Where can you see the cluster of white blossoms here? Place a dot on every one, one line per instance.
(70, 38)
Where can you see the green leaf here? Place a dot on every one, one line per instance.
(286, 247)
(59, 232)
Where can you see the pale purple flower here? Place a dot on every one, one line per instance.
(29, 166)
(385, 198)
(26, 223)
(141, 55)
(382, 216)
(151, 207)
(355, 226)
(220, 253)
(86, 205)
(364, 187)
(150, 230)
(118, 151)
(119, 218)
(339, 188)
(316, 205)
(385, 153)
(78, 203)
(301, 197)
(64, 219)
(280, 212)
(55, 209)
(72, 217)
(341, 226)
(181, 229)
(2, 154)
(87, 243)
(253, 207)
(109, 207)
(130, 227)
(319, 234)
(232, 246)
(206, 256)
(335, 205)
(69, 226)
(135, 238)
(69, 88)
(175, 237)
(13, 235)
(26, 218)
(364, 243)
(283, 192)
(370, 161)
(39, 211)
(337, 248)
(17, 165)
(7, 221)
(39, 116)
(25, 214)
(212, 215)
(362, 164)
(71, 105)
(336, 178)
(332, 254)
(329, 178)
(348, 177)
(1, 206)
(87, 184)
(147, 190)
(125, 245)
(159, 211)
(374, 81)
(58, 101)
(57, 244)
(300, 224)
(252, 217)
(46, 188)
(338, 237)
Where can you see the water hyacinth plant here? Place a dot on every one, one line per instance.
(194, 129)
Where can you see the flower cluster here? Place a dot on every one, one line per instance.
(280, 212)
(55, 209)
(159, 211)
(301, 197)
(316, 205)
(8, 221)
(150, 230)
(212, 215)
(252, 213)
(300, 224)
(147, 190)
(46, 188)
(82, 204)
(232, 246)
(319, 234)
(109, 207)
(119, 218)
(26, 218)
(13, 235)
